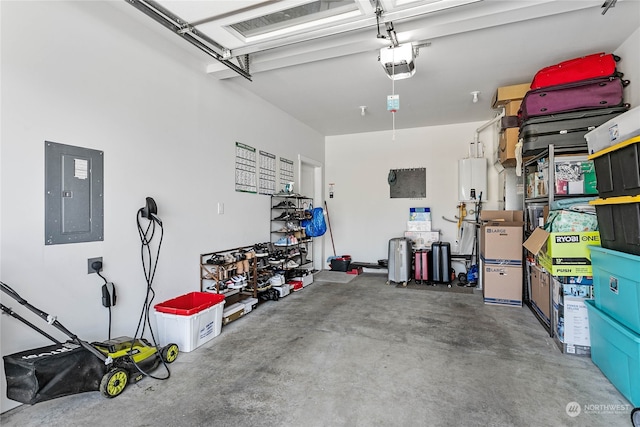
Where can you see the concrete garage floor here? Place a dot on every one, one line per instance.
(360, 354)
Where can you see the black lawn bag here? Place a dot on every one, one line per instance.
(53, 371)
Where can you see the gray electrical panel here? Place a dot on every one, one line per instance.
(74, 203)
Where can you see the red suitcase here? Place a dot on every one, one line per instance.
(590, 94)
(421, 266)
(577, 69)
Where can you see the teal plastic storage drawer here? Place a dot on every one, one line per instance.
(616, 285)
(615, 349)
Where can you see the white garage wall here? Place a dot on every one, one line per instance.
(629, 51)
(364, 217)
(84, 74)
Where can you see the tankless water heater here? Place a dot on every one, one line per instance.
(472, 179)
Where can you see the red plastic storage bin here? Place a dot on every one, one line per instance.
(189, 304)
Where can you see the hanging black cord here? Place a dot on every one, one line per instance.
(149, 268)
(109, 307)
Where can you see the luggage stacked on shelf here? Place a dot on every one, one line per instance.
(567, 100)
(614, 314)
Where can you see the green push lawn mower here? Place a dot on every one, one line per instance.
(77, 366)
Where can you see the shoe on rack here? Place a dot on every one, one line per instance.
(294, 252)
(261, 250)
(263, 285)
(238, 285)
(282, 217)
(283, 241)
(273, 260)
(291, 264)
(276, 280)
(215, 259)
(293, 226)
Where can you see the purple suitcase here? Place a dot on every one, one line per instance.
(590, 94)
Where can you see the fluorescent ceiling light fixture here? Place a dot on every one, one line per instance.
(398, 62)
(299, 18)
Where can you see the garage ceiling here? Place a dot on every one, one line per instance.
(318, 60)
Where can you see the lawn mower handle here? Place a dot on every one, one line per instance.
(52, 321)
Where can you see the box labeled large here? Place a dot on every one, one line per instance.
(616, 283)
(502, 285)
(189, 320)
(563, 254)
(615, 349)
(501, 237)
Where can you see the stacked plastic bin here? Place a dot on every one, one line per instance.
(614, 314)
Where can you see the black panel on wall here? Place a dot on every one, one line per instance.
(407, 183)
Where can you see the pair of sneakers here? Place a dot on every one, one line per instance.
(288, 240)
(238, 282)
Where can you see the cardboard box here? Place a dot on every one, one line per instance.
(506, 94)
(502, 285)
(540, 292)
(501, 237)
(502, 216)
(511, 108)
(419, 214)
(418, 225)
(563, 254)
(507, 146)
(422, 239)
(571, 318)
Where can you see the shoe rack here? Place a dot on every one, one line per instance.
(287, 234)
(230, 272)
